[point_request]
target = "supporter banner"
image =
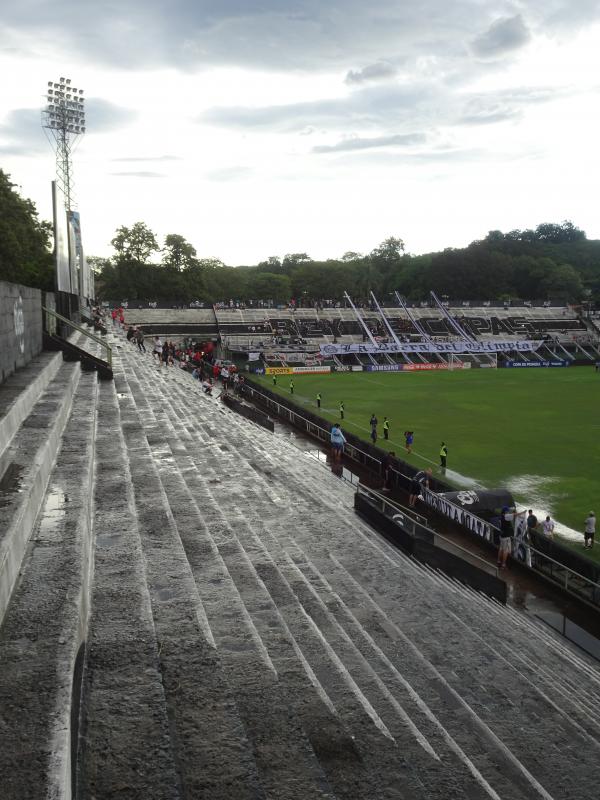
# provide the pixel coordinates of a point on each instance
(521, 346)
(557, 363)
(61, 241)
(253, 356)
(458, 514)
(278, 370)
(310, 370)
(301, 358)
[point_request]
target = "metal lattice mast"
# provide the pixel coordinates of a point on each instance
(63, 119)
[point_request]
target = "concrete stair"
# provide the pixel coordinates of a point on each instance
(196, 611)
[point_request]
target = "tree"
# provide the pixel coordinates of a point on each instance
(135, 244)
(350, 255)
(389, 250)
(25, 255)
(178, 253)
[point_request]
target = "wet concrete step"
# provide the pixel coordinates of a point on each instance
(125, 745)
(28, 460)
(238, 558)
(286, 763)
(44, 627)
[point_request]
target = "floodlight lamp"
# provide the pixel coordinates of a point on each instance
(68, 80)
(62, 80)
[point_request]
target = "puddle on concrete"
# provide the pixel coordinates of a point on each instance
(10, 484)
(53, 513)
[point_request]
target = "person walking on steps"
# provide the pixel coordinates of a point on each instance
(139, 337)
(443, 456)
(341, 410)
(318, 399)
(338, 440)
(386, 428)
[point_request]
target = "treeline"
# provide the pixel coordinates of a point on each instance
(25, 241)
(552, 261)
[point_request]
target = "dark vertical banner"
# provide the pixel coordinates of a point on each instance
(73, 256)
(61, 241)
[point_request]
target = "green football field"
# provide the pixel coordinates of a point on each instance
(533, 431)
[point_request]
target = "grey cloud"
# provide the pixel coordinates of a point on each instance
(23, 134)
(503, 35)
(144, 159)
(228, 173)
(139, 174)
(490, 116)
(381, 70)
(357, 143)
(102, 115)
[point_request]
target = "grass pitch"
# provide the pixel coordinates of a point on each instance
(535, 432)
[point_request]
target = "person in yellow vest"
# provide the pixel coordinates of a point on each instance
(291, 386)
(341, 410)
(386, 428)
(443, 456)
(318, 399)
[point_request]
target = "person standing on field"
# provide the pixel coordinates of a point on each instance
(291, 386)
(409, 438)
(274, 380)
(443, 456)
(318, 399)
(386, 428)
(373, 423)
(590, 530)
(341, 409)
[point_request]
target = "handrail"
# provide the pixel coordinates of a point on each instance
(468, 555)
(77, 327)
(388, 500)
(563, 566)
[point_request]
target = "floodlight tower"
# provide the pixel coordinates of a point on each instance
(64, 120)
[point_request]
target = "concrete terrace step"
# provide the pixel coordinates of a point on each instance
(199, 738)
(27, 462)
(284, 757)
(329, 665)
(44, 626)
(396, 652)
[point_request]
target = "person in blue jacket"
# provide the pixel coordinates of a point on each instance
(338, 440)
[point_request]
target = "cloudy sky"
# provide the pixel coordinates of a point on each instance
(261, 127)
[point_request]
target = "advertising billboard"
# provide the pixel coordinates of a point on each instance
(61, 241)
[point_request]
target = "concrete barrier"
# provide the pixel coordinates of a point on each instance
(20, 326)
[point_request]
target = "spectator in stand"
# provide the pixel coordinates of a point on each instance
(548, 527)
(418, 482)
(130, 333)
(532, 521)
(507, 532)
(165, 354)
(225, 378)
(157, 349)
(139, 337)
(386, 466)
(207, 386)
(338, 440)
(590, 530)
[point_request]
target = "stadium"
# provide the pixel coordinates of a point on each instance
(295, 528)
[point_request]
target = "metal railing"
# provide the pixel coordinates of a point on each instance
(418, 527)
(565, 577)
(56, 316)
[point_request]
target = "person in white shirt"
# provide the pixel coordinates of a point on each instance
(590, 530)
(548, 527)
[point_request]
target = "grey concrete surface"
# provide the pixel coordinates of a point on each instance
(20, 326)
(250, 637)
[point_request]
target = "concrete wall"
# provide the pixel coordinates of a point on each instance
(20, 326)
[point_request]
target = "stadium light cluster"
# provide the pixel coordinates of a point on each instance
(63, 119)
(65, 110)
